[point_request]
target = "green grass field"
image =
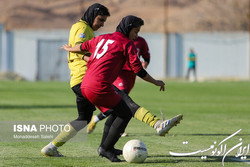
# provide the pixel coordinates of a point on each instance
(212, 112)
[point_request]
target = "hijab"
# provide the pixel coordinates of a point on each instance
(93, 11)
(127, 23)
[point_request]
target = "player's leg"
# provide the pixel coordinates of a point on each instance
(95, 119)
(85, 111)
(140, 113)
(106, 128)
(114, 127)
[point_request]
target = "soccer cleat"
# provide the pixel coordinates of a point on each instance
(166, 125)
(92, 124)
(116, 151)
(51, 151)
(108, 154)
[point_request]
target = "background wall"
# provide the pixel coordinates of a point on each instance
(36, 55)
(219, 55)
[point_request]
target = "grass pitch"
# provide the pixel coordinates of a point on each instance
(212, 112)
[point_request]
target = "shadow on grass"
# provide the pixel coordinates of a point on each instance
(199, 134)
(154, 134)
(155, 159)
(171, 159)
(6, 107)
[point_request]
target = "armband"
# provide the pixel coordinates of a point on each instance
(142, 73)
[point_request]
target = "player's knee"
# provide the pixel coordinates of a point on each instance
(110, 120)
(133, 107)
(78, 124)
(84, 117)
(123, 110)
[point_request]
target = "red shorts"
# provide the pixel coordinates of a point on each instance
(103, 102)
(125, 80)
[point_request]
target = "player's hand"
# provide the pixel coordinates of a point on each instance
(161, 84)
(66, 47)
(144, 64)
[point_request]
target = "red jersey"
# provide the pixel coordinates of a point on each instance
(142, 48)
(109, 54)
(142, 51)
(126, 79)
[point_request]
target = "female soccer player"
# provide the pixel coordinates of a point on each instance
(109, 53)
(126, 79)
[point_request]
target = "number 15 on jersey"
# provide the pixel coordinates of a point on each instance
(104, 48)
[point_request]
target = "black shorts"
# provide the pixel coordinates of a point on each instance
(83, 104)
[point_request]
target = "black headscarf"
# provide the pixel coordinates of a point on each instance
(93, 11)
(127, 23)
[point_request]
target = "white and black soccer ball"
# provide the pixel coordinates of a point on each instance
(135, 151)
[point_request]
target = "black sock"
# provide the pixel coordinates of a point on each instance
(107, 126)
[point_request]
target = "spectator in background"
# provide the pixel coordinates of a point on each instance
(191, 65)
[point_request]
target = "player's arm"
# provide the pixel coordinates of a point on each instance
(145, 54)
(83, 55)
(144, 64)
(86, 57)
(82, 35)
(146, 61)
(146, 77)
(138, 69)
(69, 48)
(78, 48)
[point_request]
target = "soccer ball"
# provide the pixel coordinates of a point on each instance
(135, 151)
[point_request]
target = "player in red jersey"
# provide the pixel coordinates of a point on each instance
(126, 79)
(142, 50)
(109, 53)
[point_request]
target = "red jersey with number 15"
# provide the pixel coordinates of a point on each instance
(109, 54)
